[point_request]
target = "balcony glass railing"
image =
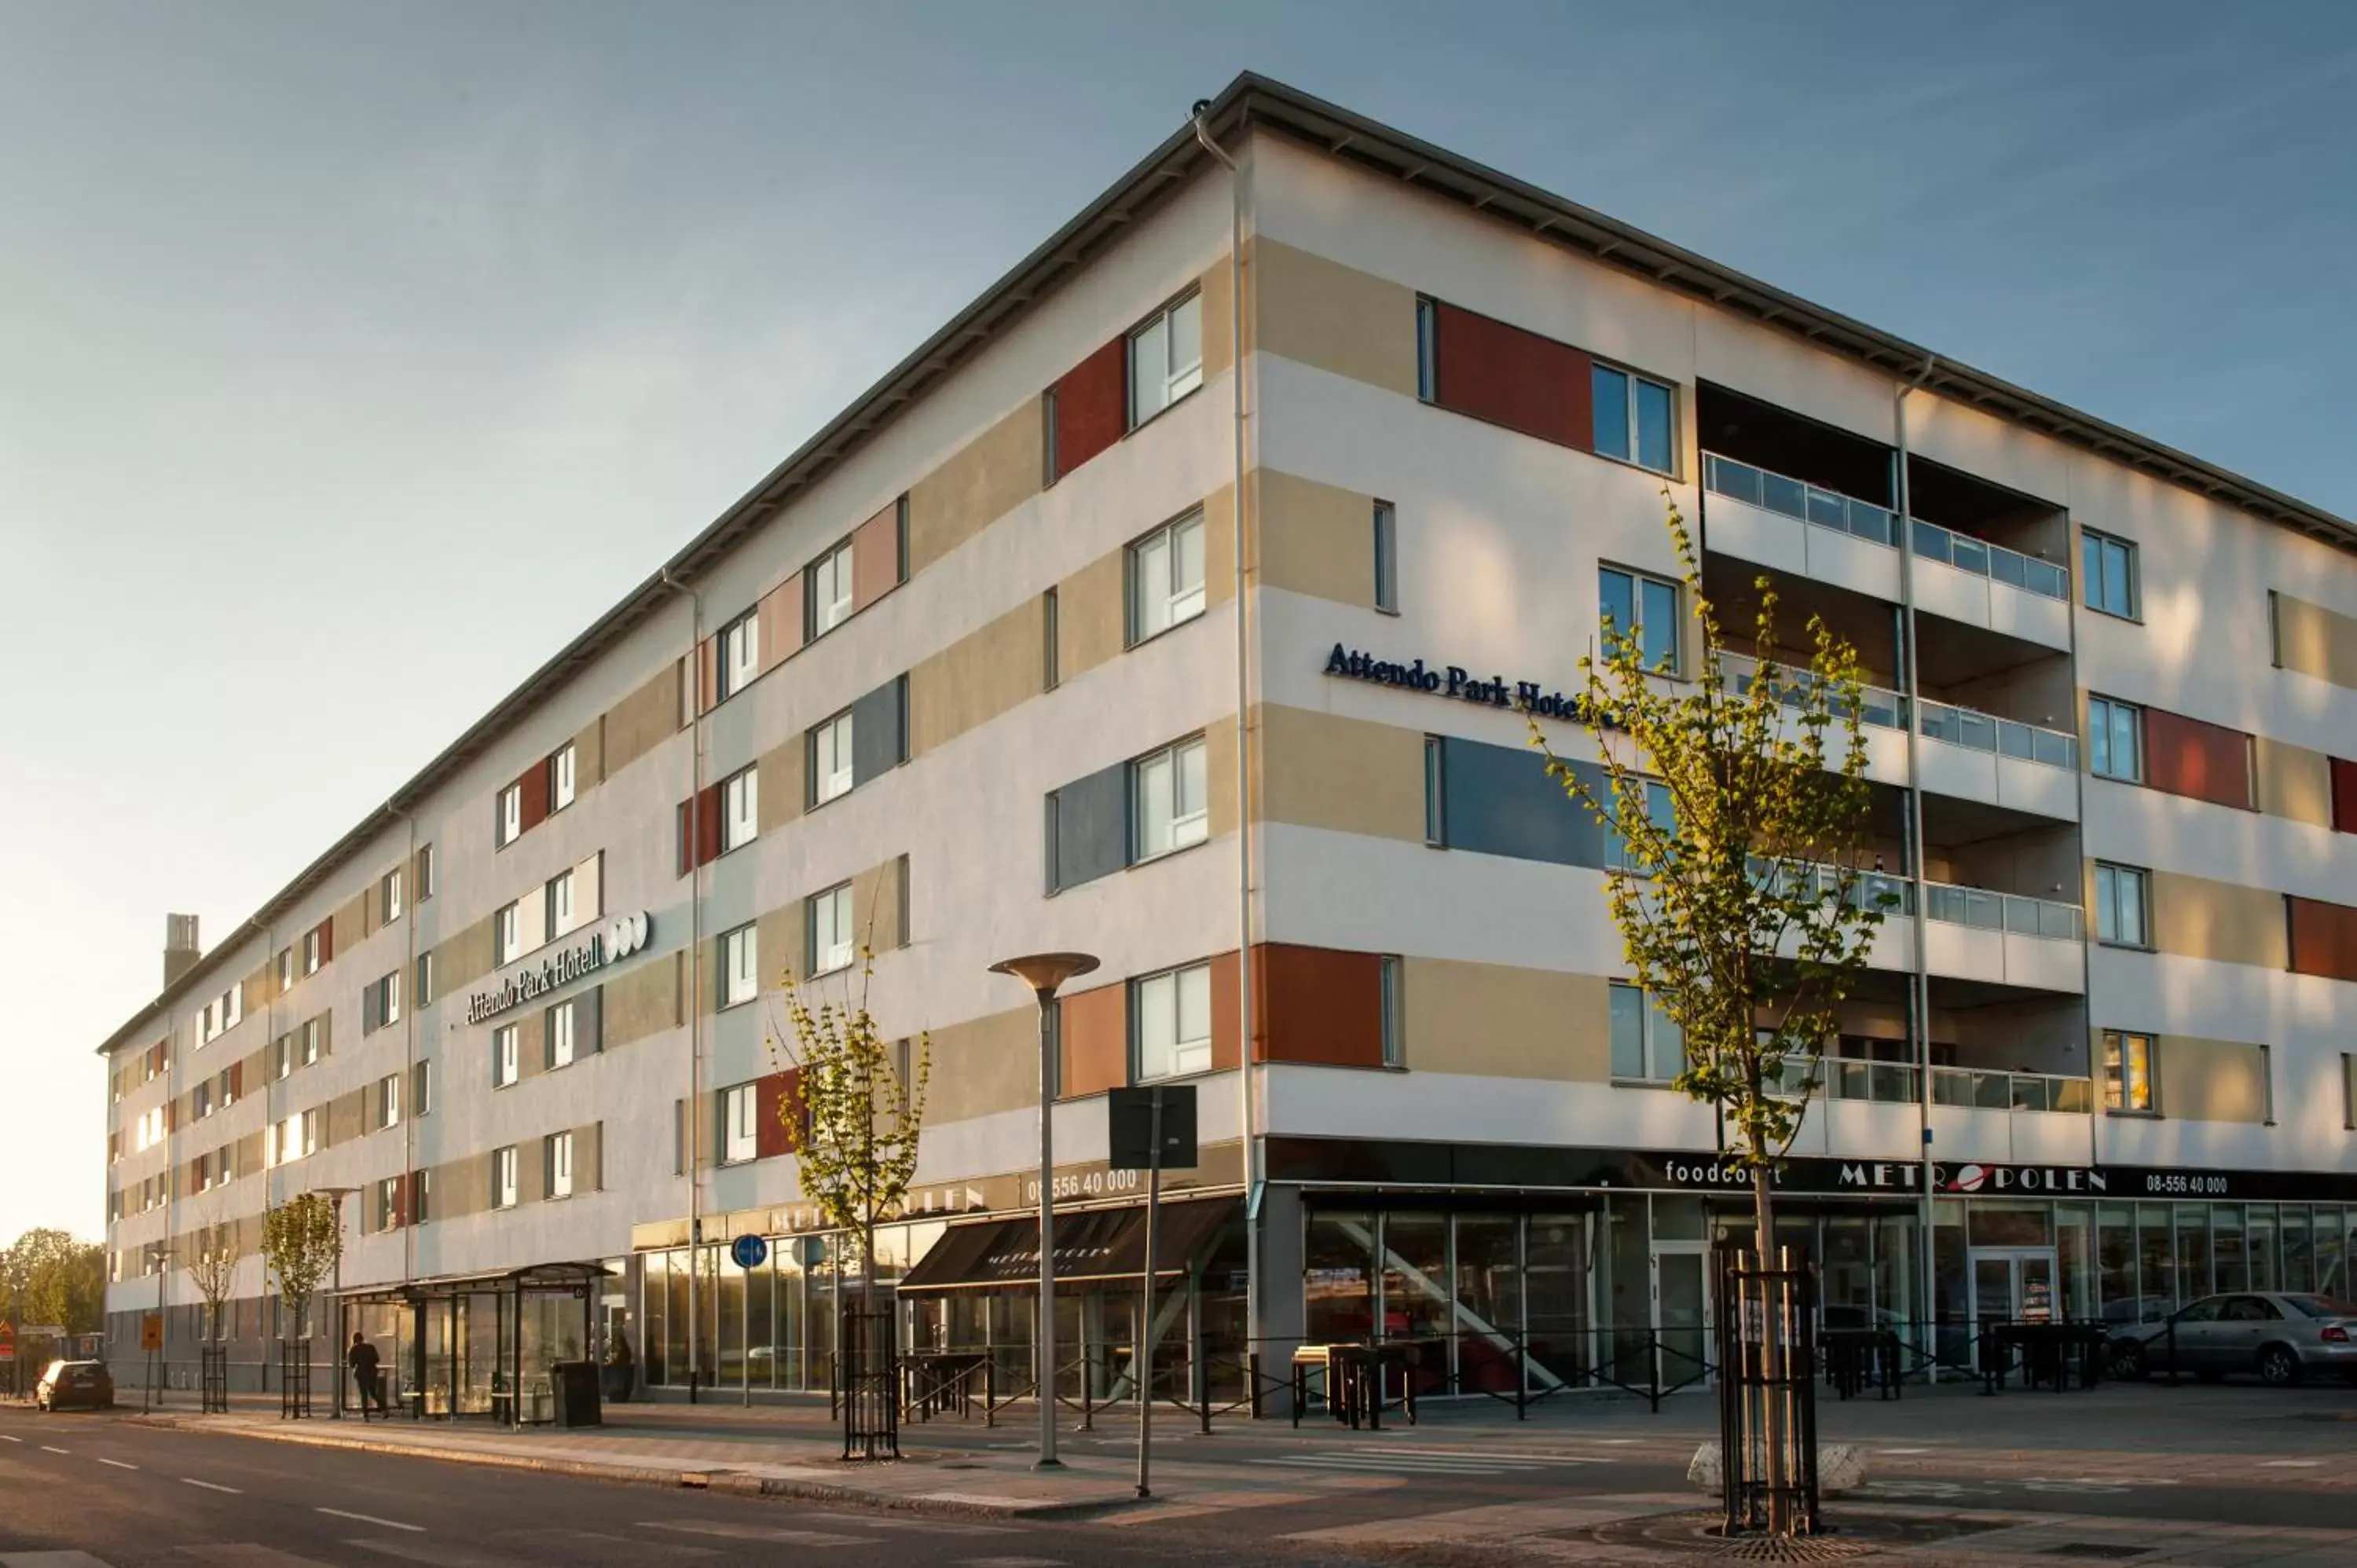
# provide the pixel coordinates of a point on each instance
(1884, 1083)
(1986, 732)
(1986, 1091)
(1882, 708)
(1824, 881)
(1864, 519)
(2008, 912)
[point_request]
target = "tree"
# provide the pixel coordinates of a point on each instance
(855, 1116)
(47, 1276)
(213, 1271)
(301, 1240)
(1736, 804)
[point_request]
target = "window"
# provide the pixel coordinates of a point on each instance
(558, 1155)
(1435, 803)
(2268, 1084)
(2128, 1072)
(227, 1091)
(1394, 1015)
(421, 1196)
(1166, 577)
(282, 1056)
(421, 1089)
(387, 1203)
(739, 1139)
(1427, 351)
(311, 1131)
(2107, 568)
(740, 808)
(425, 873)
(741, 966)
(507, 934)
(830, 929)
(225, 1164)
(1648, 1047)
(388, 1101)
(424, 987)
(559, 1034)
(2122, 904)
(561, 777)
(286, 968)
(311, 1041)
(503, 1056)
(388, 896)
(311, 951)
(2348, 1089)
(1386, 558)
(831, 761)
(1166, 359)
(1050, 676)
(1643, 608)
(380, 1003)
(201, 1101)
(2115, 740)
(1634, 419)
(1167, 799)
(740, 654)
(1659, 807)
(1170, 1023)
(830, 590)
(503, 1178)
(510, 820)
(559, 894)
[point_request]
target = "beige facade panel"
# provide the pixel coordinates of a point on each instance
(1321, 771)
(2209, 1081)
(1315, 539)
(876, 906)
(459, 1187)
(1496, 1021)
(983, 674)
(531, 1025)
(1092, 624)
(984, 1066)
(2294, 781)
(2316, 641)
(347, 1118)
(785, 780)
(353, 921)
(782, 938)
(1220, 544)
(643, 720)
(1217, 286)
(589, 1157)
(1335, 317)
(2196, 918)
(590, 754)
(462, 959)
(990, 476)
(1219, 812)
(645, 1001)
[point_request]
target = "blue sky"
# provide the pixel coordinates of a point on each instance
(301, 297)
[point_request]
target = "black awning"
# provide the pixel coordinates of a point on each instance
(1092, 1247)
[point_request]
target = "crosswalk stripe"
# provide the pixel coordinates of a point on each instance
(49, 1560)
(249, 1554)
(759, 1532)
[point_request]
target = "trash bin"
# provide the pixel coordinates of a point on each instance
(575, 1385)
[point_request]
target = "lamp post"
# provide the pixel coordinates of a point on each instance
(336, 1195)
(162, 1253)
(1043, 972)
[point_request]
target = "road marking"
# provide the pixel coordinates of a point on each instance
(1398, 1463)
(49, 1560)
(116, 1462)
(46, 1449)
(1902, 1451)
(247, 1555)
(1010, 1563)
(371, 1519)
(6, 1438)
(759, 1532)
(210, 1485)
(2289, 1464)
(922, 1526)
(435, 1556)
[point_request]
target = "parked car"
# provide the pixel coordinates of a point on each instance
(70, 1383)
(2281, 1336)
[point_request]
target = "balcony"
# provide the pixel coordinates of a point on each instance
(1810, 531)
(1976, 756)
(1870, 1109)
(1997, 939)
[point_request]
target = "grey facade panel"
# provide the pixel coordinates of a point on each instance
(1498, 800)
(879, 731)
(1089, 827)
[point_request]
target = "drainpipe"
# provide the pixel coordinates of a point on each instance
(1919, 984)
(694, 1153)
(409, 1049)
(1253, 1300)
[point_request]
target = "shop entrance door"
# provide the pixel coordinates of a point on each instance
(2011, 1284)
(1682, 1312)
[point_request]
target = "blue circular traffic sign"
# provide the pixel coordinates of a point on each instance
(749, 1252)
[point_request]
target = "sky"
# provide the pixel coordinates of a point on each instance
(295, 298)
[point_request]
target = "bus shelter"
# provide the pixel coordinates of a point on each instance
(475, 1345)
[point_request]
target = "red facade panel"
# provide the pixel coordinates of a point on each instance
(2344, 795)
(875, 557)
(2323, 938)
(2190, 758)
(327, 929)
(699, 830)
(1093, 1041)
(1318, 1005)
(1513, 378)
(777, 1113)
(533, 790)
(1091, 406)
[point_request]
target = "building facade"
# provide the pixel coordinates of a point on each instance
(1082, 631)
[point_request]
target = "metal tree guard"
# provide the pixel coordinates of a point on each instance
(1767, 1395)
(871, 1394)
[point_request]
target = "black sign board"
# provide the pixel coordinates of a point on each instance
(1129, 1126)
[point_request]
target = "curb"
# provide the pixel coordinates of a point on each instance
(734, 1483)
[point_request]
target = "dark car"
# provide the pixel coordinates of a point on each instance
(2281, 1336)
(68, 1384)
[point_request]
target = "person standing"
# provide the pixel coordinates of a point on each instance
(366, 1375)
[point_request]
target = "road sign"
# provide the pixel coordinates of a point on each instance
(750, 1251)
(151, 1331)
(1129, 1127)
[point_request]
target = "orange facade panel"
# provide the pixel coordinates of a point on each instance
(878, 556)
(1511, 377)
(1093, 1042)
(2323, 938)
(2198, 759)
(1089, 409)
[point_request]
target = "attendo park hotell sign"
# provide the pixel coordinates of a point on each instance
(1451, 681)
(618, 939)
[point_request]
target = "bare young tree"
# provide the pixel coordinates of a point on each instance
(301, 1240)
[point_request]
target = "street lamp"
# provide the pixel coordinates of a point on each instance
(161, 1252)
(336, 1195)
(1043, 972)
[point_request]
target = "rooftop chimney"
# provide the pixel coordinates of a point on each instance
(180, 948)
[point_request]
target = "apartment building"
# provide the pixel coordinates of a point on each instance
(1082, 631)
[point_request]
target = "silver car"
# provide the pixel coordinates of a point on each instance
(2280, 1336)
